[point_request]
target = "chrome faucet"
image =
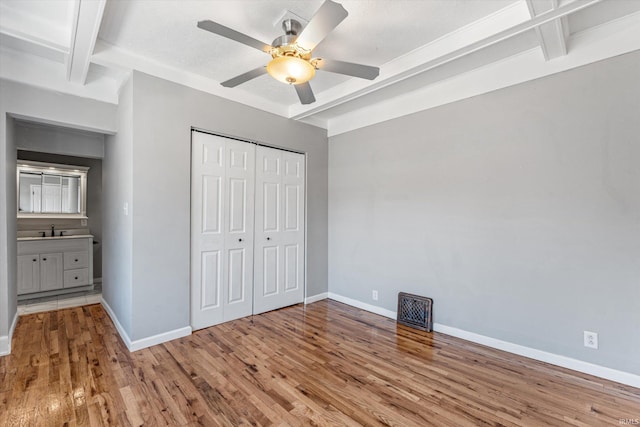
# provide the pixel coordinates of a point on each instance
(53, 230)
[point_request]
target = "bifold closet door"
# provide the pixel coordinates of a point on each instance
(222, 216)
(279, 229)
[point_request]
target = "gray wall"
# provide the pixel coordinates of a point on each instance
(518, 211)
(163, 115)
(117, 177)
(58, 140)
(34, 104)
(8, 244)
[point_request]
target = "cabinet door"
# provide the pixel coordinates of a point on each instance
(28, 274)
(51, 271)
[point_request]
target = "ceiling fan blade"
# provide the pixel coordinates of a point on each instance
(348, 68)
(245, 77)
(322, 23)
(227, 32)
(305, 93)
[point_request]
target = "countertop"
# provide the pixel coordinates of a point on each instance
(80, 236)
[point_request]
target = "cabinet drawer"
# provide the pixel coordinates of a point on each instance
(77, 277)
(76, 260)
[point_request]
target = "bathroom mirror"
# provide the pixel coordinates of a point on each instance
(47, 190)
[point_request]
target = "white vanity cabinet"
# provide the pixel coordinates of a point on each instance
(54, 264)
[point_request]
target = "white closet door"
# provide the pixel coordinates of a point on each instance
(239, 206)
(279, 230)
(222, 193)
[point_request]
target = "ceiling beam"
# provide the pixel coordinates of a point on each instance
(336, 96)
(551, 35)
(85, 26)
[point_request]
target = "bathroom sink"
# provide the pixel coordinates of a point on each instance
(77, 233)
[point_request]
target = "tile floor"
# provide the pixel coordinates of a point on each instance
(37, 305)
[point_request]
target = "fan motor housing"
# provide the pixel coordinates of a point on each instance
(285, 45)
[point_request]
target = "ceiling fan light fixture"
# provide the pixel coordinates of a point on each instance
(291, 70)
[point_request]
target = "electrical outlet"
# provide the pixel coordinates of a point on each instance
(590, 339)
(374, 295)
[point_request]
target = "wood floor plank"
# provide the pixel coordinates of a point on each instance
(324, 364)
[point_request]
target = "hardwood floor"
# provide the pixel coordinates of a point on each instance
(326, 364)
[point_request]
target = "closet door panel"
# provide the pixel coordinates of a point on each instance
(291, 268)
(210, 283)
(239, 205)
(207, 237)
(222, 205)
(211, 204)
(279, 263)
(271, 206)
(292, 208)
(293, 237)
(237, 280)
(270, 271)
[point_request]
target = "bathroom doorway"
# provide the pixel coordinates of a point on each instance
(37, 142)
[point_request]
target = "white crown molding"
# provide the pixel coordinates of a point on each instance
(532, 353)
(39, 72)
(404, 66)
(40, 31)
(108, 55)
(506, 23)
(605, 41)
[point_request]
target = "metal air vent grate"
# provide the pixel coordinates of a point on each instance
(415, 311)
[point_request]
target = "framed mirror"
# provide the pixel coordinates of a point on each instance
(48, 190)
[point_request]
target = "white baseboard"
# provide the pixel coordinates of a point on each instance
(160, 338)
(543, 356)
(363, 305)
(116, 322)
(314, 298)
(532, 353)
(144, 342)
(5, 340)
(5, 345)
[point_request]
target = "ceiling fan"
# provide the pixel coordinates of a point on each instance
(291, 53)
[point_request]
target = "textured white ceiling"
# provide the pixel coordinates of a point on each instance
(430, 52)
(374, 33)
